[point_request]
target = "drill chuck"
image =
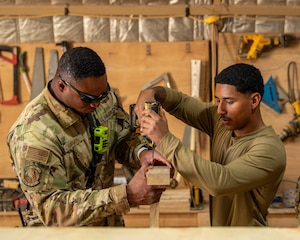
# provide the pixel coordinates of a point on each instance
(155, 106)
(134, 122)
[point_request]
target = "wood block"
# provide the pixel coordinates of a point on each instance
(158, 175)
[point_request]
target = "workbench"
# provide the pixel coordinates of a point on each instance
(220, 233)
(139, 218)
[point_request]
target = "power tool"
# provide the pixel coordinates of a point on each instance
(293, 127)
(135, 127)
(251, 46)
(134, 122)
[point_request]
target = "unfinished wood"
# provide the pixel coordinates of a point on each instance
(271, 63)
(158, 175)
(282, 217)
(167, 219)
(176, 10)
(178, 198)
(220, 233)
(137, 217)
(10, 219)
(154, 215)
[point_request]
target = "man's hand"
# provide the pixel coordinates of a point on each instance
(139, 192)
(146, 95)
(153, 125)
(147, 160)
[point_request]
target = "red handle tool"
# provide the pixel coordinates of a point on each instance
(14, 61)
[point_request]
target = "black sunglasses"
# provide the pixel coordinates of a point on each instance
(87, 97)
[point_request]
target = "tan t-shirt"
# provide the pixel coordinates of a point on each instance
(243, 174)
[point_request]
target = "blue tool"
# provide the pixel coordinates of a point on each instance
(273, 95)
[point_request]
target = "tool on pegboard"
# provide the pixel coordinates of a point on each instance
(196, 200)
(274, 96)
(24, 70)
(14, 61)
(163, 77)
(1, 91)
(53, 64)
(251, 46)
(213, 20)
(293, 127)
(65, 45)
(38, 77)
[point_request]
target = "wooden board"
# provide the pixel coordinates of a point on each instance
(158, 175)
(150, 234)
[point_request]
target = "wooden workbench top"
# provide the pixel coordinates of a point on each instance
(150, 233)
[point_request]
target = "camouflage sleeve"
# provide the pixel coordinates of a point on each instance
(55, 197)
(127, 149)
(129, 143)
(80, 207)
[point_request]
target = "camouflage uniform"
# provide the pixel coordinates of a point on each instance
(297, 200)
(50, 151)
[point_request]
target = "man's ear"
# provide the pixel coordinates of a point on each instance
(61, 85)
(255, 97)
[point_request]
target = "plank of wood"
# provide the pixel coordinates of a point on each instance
(154, 215)
(157, 175)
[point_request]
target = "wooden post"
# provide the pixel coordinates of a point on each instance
(158, 175)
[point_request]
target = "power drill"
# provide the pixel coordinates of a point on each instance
(134, 122)
(155, 106)
(251, 46)
(135, 127)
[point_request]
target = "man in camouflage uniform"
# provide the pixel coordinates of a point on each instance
(51, 150)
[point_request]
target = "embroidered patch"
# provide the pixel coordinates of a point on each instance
(37, 154)
(32, 175)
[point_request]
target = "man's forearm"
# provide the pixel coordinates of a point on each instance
(159, 94)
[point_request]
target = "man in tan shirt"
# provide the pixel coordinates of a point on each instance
(247, 158)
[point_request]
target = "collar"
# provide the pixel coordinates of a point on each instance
(64, 115)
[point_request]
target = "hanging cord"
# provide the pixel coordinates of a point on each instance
(292, 78)
(293, 83)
